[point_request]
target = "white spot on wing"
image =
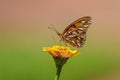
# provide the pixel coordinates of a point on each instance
(79, 38)
(73, 41)
(67, 38)
(82, 21)
(70, 36)
(79, 44)
(65, 33)
(69, 32)
(86, 26)
(74, 32)
(81, 29)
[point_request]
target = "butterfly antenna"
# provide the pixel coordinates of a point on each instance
(53, 28)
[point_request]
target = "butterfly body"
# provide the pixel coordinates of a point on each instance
(75, 33)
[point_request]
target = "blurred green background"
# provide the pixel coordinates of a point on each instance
(24, 32)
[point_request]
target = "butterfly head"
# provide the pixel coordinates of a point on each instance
(58, 33)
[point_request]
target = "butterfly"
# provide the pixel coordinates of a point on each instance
(75, 33)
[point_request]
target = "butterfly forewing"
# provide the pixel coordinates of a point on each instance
(75, 33)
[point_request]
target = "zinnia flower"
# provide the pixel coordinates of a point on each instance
(60, 55)
(61, 52)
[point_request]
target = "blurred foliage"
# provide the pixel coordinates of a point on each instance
(22, 60)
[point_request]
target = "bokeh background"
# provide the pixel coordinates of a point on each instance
(24, 32)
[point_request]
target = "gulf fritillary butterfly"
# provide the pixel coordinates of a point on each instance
(75, 33)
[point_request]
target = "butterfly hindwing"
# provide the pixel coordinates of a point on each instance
(75, 33)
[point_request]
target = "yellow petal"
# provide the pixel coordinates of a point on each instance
(61, 51)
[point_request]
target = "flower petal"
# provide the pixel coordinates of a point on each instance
(61, 51)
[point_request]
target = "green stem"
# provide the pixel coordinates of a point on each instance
(59, 68)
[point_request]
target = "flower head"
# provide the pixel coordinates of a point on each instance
(60, 55)
(61, 52)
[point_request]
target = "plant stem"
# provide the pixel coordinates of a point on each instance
(59, 68)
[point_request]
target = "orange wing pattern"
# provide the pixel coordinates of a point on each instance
(75, 33)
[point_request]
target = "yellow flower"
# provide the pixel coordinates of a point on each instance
(60, 55)
(61, 52)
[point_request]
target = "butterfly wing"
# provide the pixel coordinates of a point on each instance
(75, 33)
